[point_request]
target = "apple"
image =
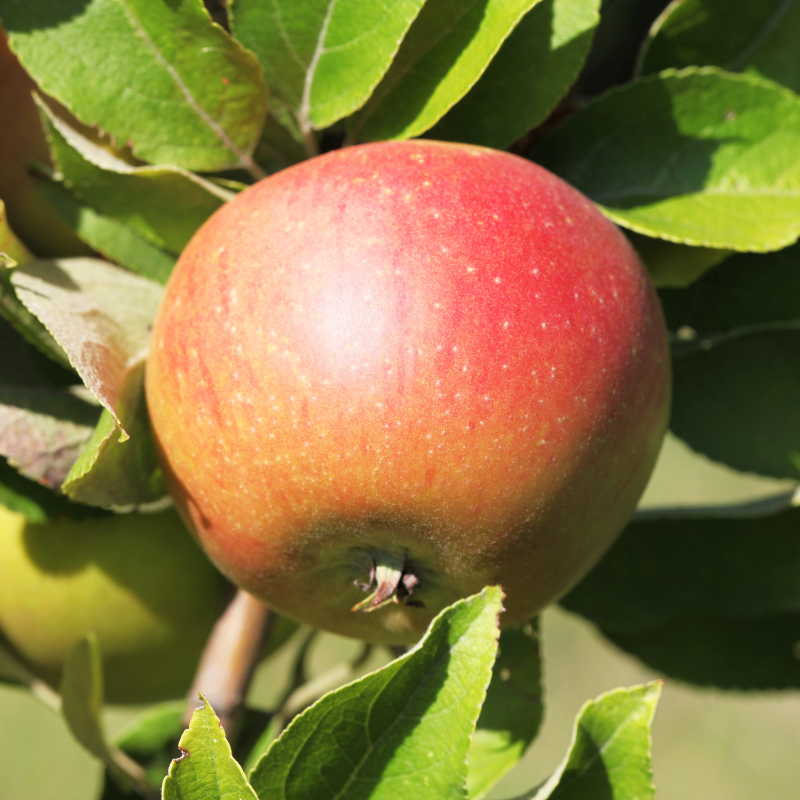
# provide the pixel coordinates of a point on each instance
(22, 140)
(416, 367)
(138, 581)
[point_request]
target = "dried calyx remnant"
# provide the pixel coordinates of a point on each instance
(389, 582)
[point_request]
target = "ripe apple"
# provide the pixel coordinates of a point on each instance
(138, 581)
(22, 140)
(419, 366)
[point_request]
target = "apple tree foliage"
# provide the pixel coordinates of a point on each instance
(681, 121)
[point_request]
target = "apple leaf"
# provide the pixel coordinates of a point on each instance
(164, 204)
(737, 35)
(43, 430)
(206, 767)
(157, 74)
(81, 705)
(512, 712)
(323, 58)
(281, 143)
(383, 735)
(700, 157)
(12, 250)
(100, 314)
(610, 751)
(735, 397)
(674, 265)
(445, 51)
(739, 653)
(114, 240)
(532, 71)
(741, 292)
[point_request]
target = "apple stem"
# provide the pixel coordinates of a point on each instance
(393, 583)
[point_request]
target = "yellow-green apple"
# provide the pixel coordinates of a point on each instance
(417, 366)
(22, 140)
(138, 581)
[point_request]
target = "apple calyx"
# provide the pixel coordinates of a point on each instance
(394, 583)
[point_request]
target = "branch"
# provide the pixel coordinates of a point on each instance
(229, 660)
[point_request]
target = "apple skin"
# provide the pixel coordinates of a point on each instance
(138, 581)
(422, 348)
(22, 140)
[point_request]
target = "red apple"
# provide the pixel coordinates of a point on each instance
(434, 358)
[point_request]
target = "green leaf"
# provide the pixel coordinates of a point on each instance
(751, 653)
(443, 54)
(700, 157)
(100, 314)
(164, 204)
(156, 73)
(532, 71)
(737, 35)
(736, 395)
(281, 143)
(82, 704)
(663, 569)
(672, 265)
(323, 58)
(12, 251)
(116, 473)
(610, 752)
(114, 240)
(748, 289)
(512, 712)
(43, 430)
(382, 736)
(206, 768)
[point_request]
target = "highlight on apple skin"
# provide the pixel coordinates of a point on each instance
(138, 581)
(411, 369)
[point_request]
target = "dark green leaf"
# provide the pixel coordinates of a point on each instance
(752, 653)
(533, 70)
(156, 73)
(699, 157)
(323, 58)
(12, 251)
(758, 37)
(443, 54)
(115, 240)
(736, 395)
(512, 712)
(610, 752)
(671, 264)
(383, 735)
(206, 768)
(154, 729)
(165, 205)
(748, 289)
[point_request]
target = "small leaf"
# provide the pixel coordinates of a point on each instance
(737, 35)
(100, 314)
(164, 204)
(114, 240)
(206, 768)
(673, 265)
(82, 704)
(512, 712)
(156, 73)
(610, 751)
(323, 58)
(11, 248)
(382, 736)
(532, 71)
(445, 51)
(700, 157)
(739, 653)
(116, 473)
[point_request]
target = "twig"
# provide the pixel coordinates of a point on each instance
(229, 660)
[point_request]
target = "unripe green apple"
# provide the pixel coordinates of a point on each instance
(137, 580)
(418, 366)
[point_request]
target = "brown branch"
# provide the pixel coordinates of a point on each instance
(229, 660)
